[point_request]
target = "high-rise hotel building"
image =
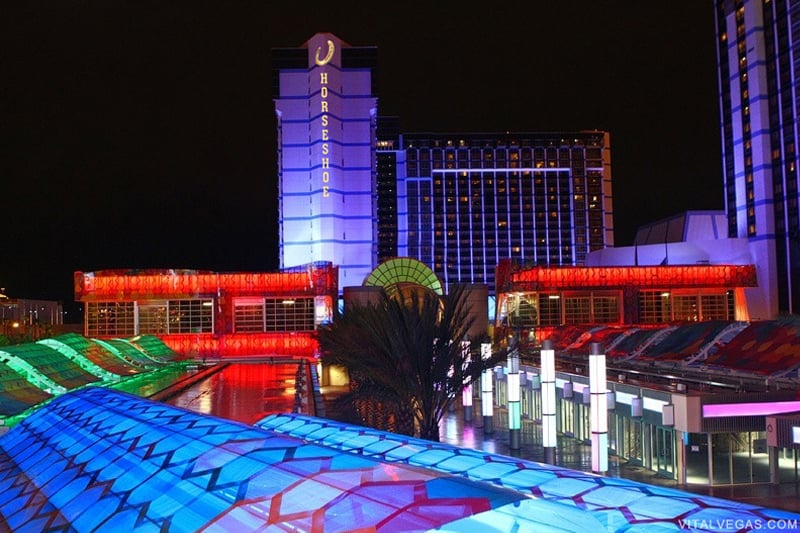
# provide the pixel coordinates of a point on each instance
(355, 190)
(467, 201)
(757, 52)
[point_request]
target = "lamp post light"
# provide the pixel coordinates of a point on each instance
(512, 395)
(466, 392)
(487, 394)
(598, 408)
(548, 366)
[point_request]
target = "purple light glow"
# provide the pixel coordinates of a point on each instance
(749, 409)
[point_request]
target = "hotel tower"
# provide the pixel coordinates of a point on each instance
(355, 190)
(326, 117)
(757, 54)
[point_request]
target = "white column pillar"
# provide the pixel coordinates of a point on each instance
(548, 367)
(514, 413)
(466, 393)
(487, 394)
(599, 408)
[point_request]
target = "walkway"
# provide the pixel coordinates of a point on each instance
(573, 454)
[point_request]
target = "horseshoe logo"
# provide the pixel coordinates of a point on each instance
(327, 57)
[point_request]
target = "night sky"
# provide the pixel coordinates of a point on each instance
(142, 134)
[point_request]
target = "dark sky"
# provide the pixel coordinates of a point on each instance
(142, 135)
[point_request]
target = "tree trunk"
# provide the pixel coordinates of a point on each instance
(429, 430)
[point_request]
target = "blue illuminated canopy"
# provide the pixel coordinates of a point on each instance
(96, 459)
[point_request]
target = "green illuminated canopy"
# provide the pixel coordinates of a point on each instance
(403, 271)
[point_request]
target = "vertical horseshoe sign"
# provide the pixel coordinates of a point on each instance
(328, 56)
(323, 94)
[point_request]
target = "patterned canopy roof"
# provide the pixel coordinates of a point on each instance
(101, 460)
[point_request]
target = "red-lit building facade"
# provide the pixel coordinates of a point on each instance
(538, 298)
(212, 314)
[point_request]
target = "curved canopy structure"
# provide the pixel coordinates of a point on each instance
(34, 372)
(404, 270)
(101, 460)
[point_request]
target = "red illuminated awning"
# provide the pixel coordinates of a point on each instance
(116, 285)
(677, 276)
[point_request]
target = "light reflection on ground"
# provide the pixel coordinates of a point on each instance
(245, 392)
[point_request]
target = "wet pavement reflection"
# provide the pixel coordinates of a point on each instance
(245, 392)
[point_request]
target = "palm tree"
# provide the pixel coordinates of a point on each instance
(405, 354)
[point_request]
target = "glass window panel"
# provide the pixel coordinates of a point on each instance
(110, 319)
(289, 314)
(191, 316)
(153, 317)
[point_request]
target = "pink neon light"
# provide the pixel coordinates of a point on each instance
(749, 409)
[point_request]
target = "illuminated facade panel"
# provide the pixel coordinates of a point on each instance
(540, 278)
(757, 57)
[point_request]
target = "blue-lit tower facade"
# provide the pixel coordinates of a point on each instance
(326, 119)
(757, 54)
(466, 201)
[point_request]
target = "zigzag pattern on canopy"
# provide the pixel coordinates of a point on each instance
(617, 504)
(100, 460)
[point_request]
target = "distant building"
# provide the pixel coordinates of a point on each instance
(356, 191)
(757, 58)
(25, 312)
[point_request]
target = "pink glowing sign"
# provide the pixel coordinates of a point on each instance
(749, 409)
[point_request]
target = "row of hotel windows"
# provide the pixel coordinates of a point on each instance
(503, 154)
(554, 309)
(425, 168)
(412, 141)
(164, 317)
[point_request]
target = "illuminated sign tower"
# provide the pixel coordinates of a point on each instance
(326, 117)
